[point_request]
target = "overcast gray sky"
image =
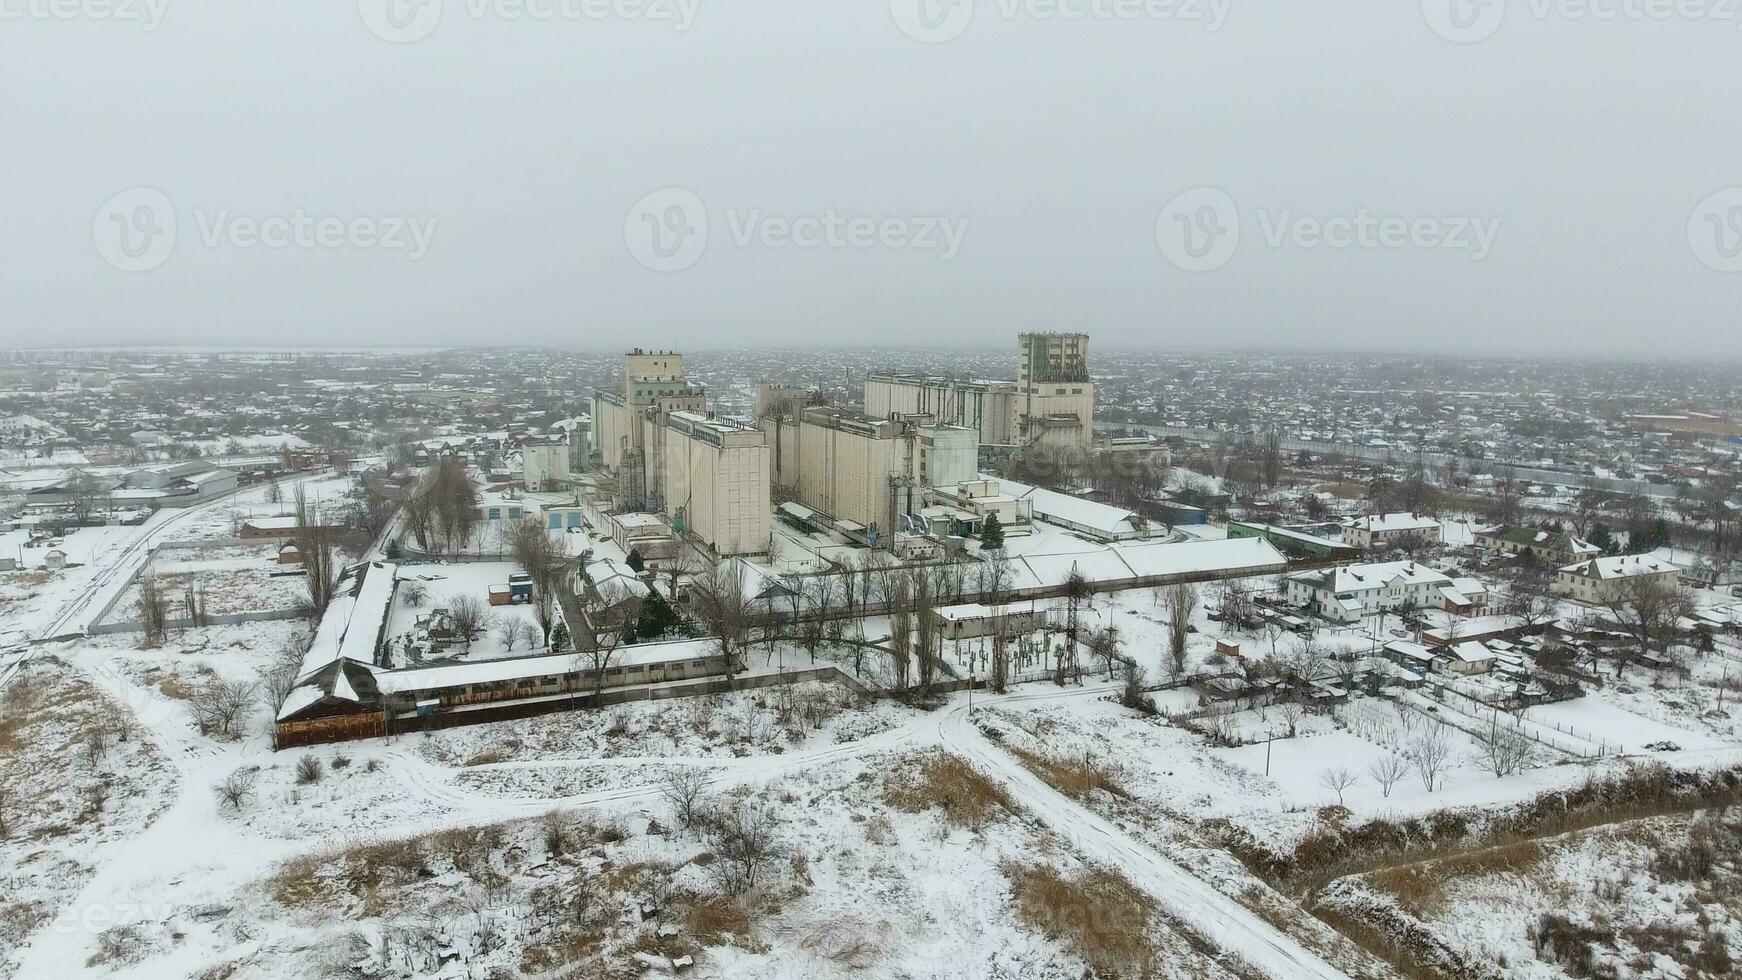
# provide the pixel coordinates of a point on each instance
(848, 171)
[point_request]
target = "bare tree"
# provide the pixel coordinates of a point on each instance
(1647, 611)
(85, 496)
(1272, 457)
(744, 841)
(618, 610)
(469, 617)
(901, 631)
(513, 631)
(237, 788)
(683, 787)
(1503, 750)
(1292, 715)
(1180, 601)
(927, 638)
(1001, 651)
(222, 707)
(153, 610)
(1388, 770)
(1338, 779)
(194, 603)
(818, 614)
(538, 556)
(1104, 647)
(314, 540)
(1430, 752)
(1132, 695)
(718, 600)
(685, 564)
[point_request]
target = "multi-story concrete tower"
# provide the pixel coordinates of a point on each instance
(1052, 357)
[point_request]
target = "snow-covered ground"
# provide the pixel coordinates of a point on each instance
(436, 854)
(1652, 899)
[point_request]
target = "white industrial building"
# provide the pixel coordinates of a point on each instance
(1052, 401)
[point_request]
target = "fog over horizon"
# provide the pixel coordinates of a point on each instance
(1445, 176)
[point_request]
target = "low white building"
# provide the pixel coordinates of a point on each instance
(1350, 593)
(1603, 579)
(1387, 531)
(544, 463)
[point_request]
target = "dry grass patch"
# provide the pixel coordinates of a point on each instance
(1096, 913)
(1078, 779)
(967, 797)
(1422, 886)
(179, 687)
(486, 757)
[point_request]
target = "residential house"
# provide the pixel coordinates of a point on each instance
(1549, 547)
(1384, 532)
(1603, 580)
(1350, 593)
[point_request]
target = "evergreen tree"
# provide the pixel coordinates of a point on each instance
(992, 534)
(635, 562)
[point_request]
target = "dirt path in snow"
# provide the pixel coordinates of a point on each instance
(1218, 918)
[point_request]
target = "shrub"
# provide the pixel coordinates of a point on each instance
(308, 770)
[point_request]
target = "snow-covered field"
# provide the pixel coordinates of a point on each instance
(235, 579)
(1051, 833)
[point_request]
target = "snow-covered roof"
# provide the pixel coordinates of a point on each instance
(1621, 567)
(1251, 555)
(1076, 511)
(462, 673)
(1472, 652)
(1383, 523)
(352, 622)
(1370, 577)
